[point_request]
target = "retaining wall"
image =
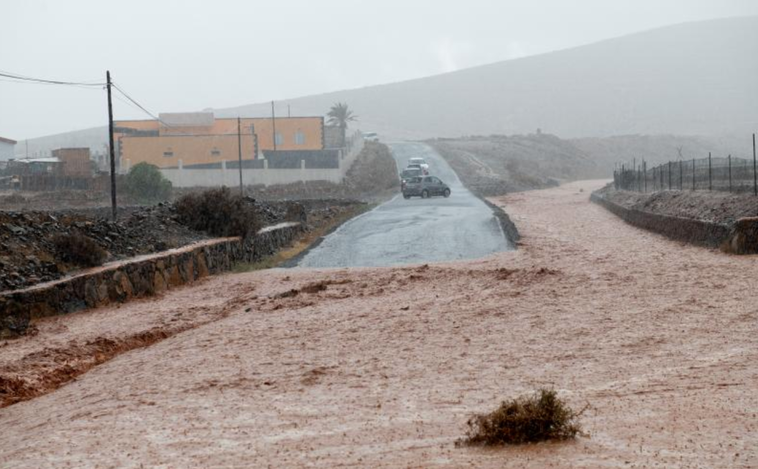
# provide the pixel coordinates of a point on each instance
(509, 228)
(137, 277)
(690, 230)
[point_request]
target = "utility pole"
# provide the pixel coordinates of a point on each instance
(110, 140)
(273, 123)
(239, 154)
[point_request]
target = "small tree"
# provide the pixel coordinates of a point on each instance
(339, 116)
(146, 184)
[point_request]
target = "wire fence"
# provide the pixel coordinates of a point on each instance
(713, 173)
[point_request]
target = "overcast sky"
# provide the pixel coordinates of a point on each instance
(191, 54)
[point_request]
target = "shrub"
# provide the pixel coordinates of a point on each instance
(146, 184)
(79, 249)
(218, 213)
(530, 419)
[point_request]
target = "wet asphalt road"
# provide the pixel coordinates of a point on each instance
(417, 230)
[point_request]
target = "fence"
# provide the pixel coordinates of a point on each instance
(718, 174)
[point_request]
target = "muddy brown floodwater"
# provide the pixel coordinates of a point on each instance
(380, 367)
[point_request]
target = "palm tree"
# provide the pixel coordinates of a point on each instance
(339, 116)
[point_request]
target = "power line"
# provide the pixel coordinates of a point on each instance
(139, 105)
(16, 76)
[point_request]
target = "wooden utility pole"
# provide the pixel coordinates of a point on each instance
(110, 141)
(239, 154)
(273, 123)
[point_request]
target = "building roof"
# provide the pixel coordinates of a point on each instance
(37, 160)
(187, 119)
(7, 140)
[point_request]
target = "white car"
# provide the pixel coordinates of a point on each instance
(421, 162)
(371, 137)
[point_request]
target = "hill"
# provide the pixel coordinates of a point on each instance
(687, 79)
(692, 78)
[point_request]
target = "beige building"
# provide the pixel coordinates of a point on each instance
(199, 139)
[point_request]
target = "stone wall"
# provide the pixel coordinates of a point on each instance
(509, 228)
(690, 230)
(137, 277)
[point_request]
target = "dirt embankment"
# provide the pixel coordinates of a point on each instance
(496, 165)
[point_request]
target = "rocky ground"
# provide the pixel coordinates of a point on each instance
(28, 255)
(381, 367)
(712, 206)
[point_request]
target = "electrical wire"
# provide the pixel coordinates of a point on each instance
(120, 90)
(16, 76)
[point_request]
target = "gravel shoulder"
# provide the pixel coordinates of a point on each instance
(381, 367)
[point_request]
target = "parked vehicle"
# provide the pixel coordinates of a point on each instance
(409, 173)
(424, 172)
(425, 187)
(419, 161)
(370, 136)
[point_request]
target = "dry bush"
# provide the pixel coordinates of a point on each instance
(79, 249)
(218, 212)
(539, 417)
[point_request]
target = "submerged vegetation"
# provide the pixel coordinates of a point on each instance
(530, 419)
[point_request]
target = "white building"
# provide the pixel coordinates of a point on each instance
(6, 149)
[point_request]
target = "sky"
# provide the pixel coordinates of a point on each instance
(174, 56)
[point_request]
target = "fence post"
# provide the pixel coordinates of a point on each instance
(729, 159)
(660, 172)
(621, 179)
(644, 171)
(710, 177)
(755, 177)
(669, 175)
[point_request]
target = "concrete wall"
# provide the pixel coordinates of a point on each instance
(689, 230)
(187, 177)
(133, 278)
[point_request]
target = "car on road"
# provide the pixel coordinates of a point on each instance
(370, 136)
(425, 187)
(421, 162)
(409, 173)
(424, 172)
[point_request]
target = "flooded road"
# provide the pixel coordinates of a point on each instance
(416, 230)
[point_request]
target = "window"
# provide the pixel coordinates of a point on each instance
(168, 154)
(278, 139)
(299, 138)
(215, 152)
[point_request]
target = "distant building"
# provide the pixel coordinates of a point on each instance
(7, 147)
(198, 139)
(75, 161)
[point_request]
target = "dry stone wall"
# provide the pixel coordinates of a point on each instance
(138, 277)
